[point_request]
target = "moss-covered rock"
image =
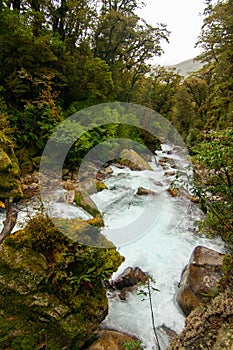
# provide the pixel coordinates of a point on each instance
(51, 290)
(83, 200)
(10, 186)
(91, 185)
(209, 327)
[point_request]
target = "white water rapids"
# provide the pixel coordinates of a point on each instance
(162, 249)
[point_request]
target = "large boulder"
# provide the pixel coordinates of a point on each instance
(51, 291)
(199, 278)
(129, 278)
(133, 160)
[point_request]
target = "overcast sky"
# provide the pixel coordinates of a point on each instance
(183, 21)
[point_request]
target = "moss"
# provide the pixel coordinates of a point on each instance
(51, 290)
(205, 327)
(87, 232)
(84, 201)
(227, 266)
(10, 186)
(100, 186)
(5, 161)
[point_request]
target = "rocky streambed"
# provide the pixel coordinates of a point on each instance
(152, 223)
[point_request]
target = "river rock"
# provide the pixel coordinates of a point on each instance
(89, 170)
(92, 186)
(173, 191)
(202, 274)
(165, 335)
(163, 160)
(111, 340)
(194, 199)
(67, 197)
(108, 170)
(68, 185)
(118, 165)
(133, 160)
(170, 173)
(144, 191)
(129, 278)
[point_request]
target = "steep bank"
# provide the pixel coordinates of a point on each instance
(51, 291)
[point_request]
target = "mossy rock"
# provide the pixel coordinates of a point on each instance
(10, 186)
(100, 186)
(51, 290)
(83, 200)
(91, 186)
(84, 231)
(5, 161)
(133, 160)
(209, 327)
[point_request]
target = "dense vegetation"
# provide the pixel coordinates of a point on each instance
(58, 57)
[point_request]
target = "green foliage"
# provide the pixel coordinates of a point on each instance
(126, 42)
(5, 132)
(214, 185)
(216, 40)
(211, 293)
(133, 345)
(56, 296)
(157, 91)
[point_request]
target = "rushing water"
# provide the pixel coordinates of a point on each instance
(162, 250)
(156, 233)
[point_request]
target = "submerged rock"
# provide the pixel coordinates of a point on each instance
(200, 277)
(51, 292)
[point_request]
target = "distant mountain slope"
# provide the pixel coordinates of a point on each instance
(186, 67)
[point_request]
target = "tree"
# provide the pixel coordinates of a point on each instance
(162, 86)
(72, 20)
(216, 40)
(126, 42)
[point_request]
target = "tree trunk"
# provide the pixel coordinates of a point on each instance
(10, 221)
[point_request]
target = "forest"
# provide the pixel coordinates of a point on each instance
(59, 57)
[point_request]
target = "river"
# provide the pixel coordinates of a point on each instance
(155, 232)
(162, 250)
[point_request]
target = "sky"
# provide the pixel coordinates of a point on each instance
(183, 20)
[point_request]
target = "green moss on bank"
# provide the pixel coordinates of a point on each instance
(51, 289)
